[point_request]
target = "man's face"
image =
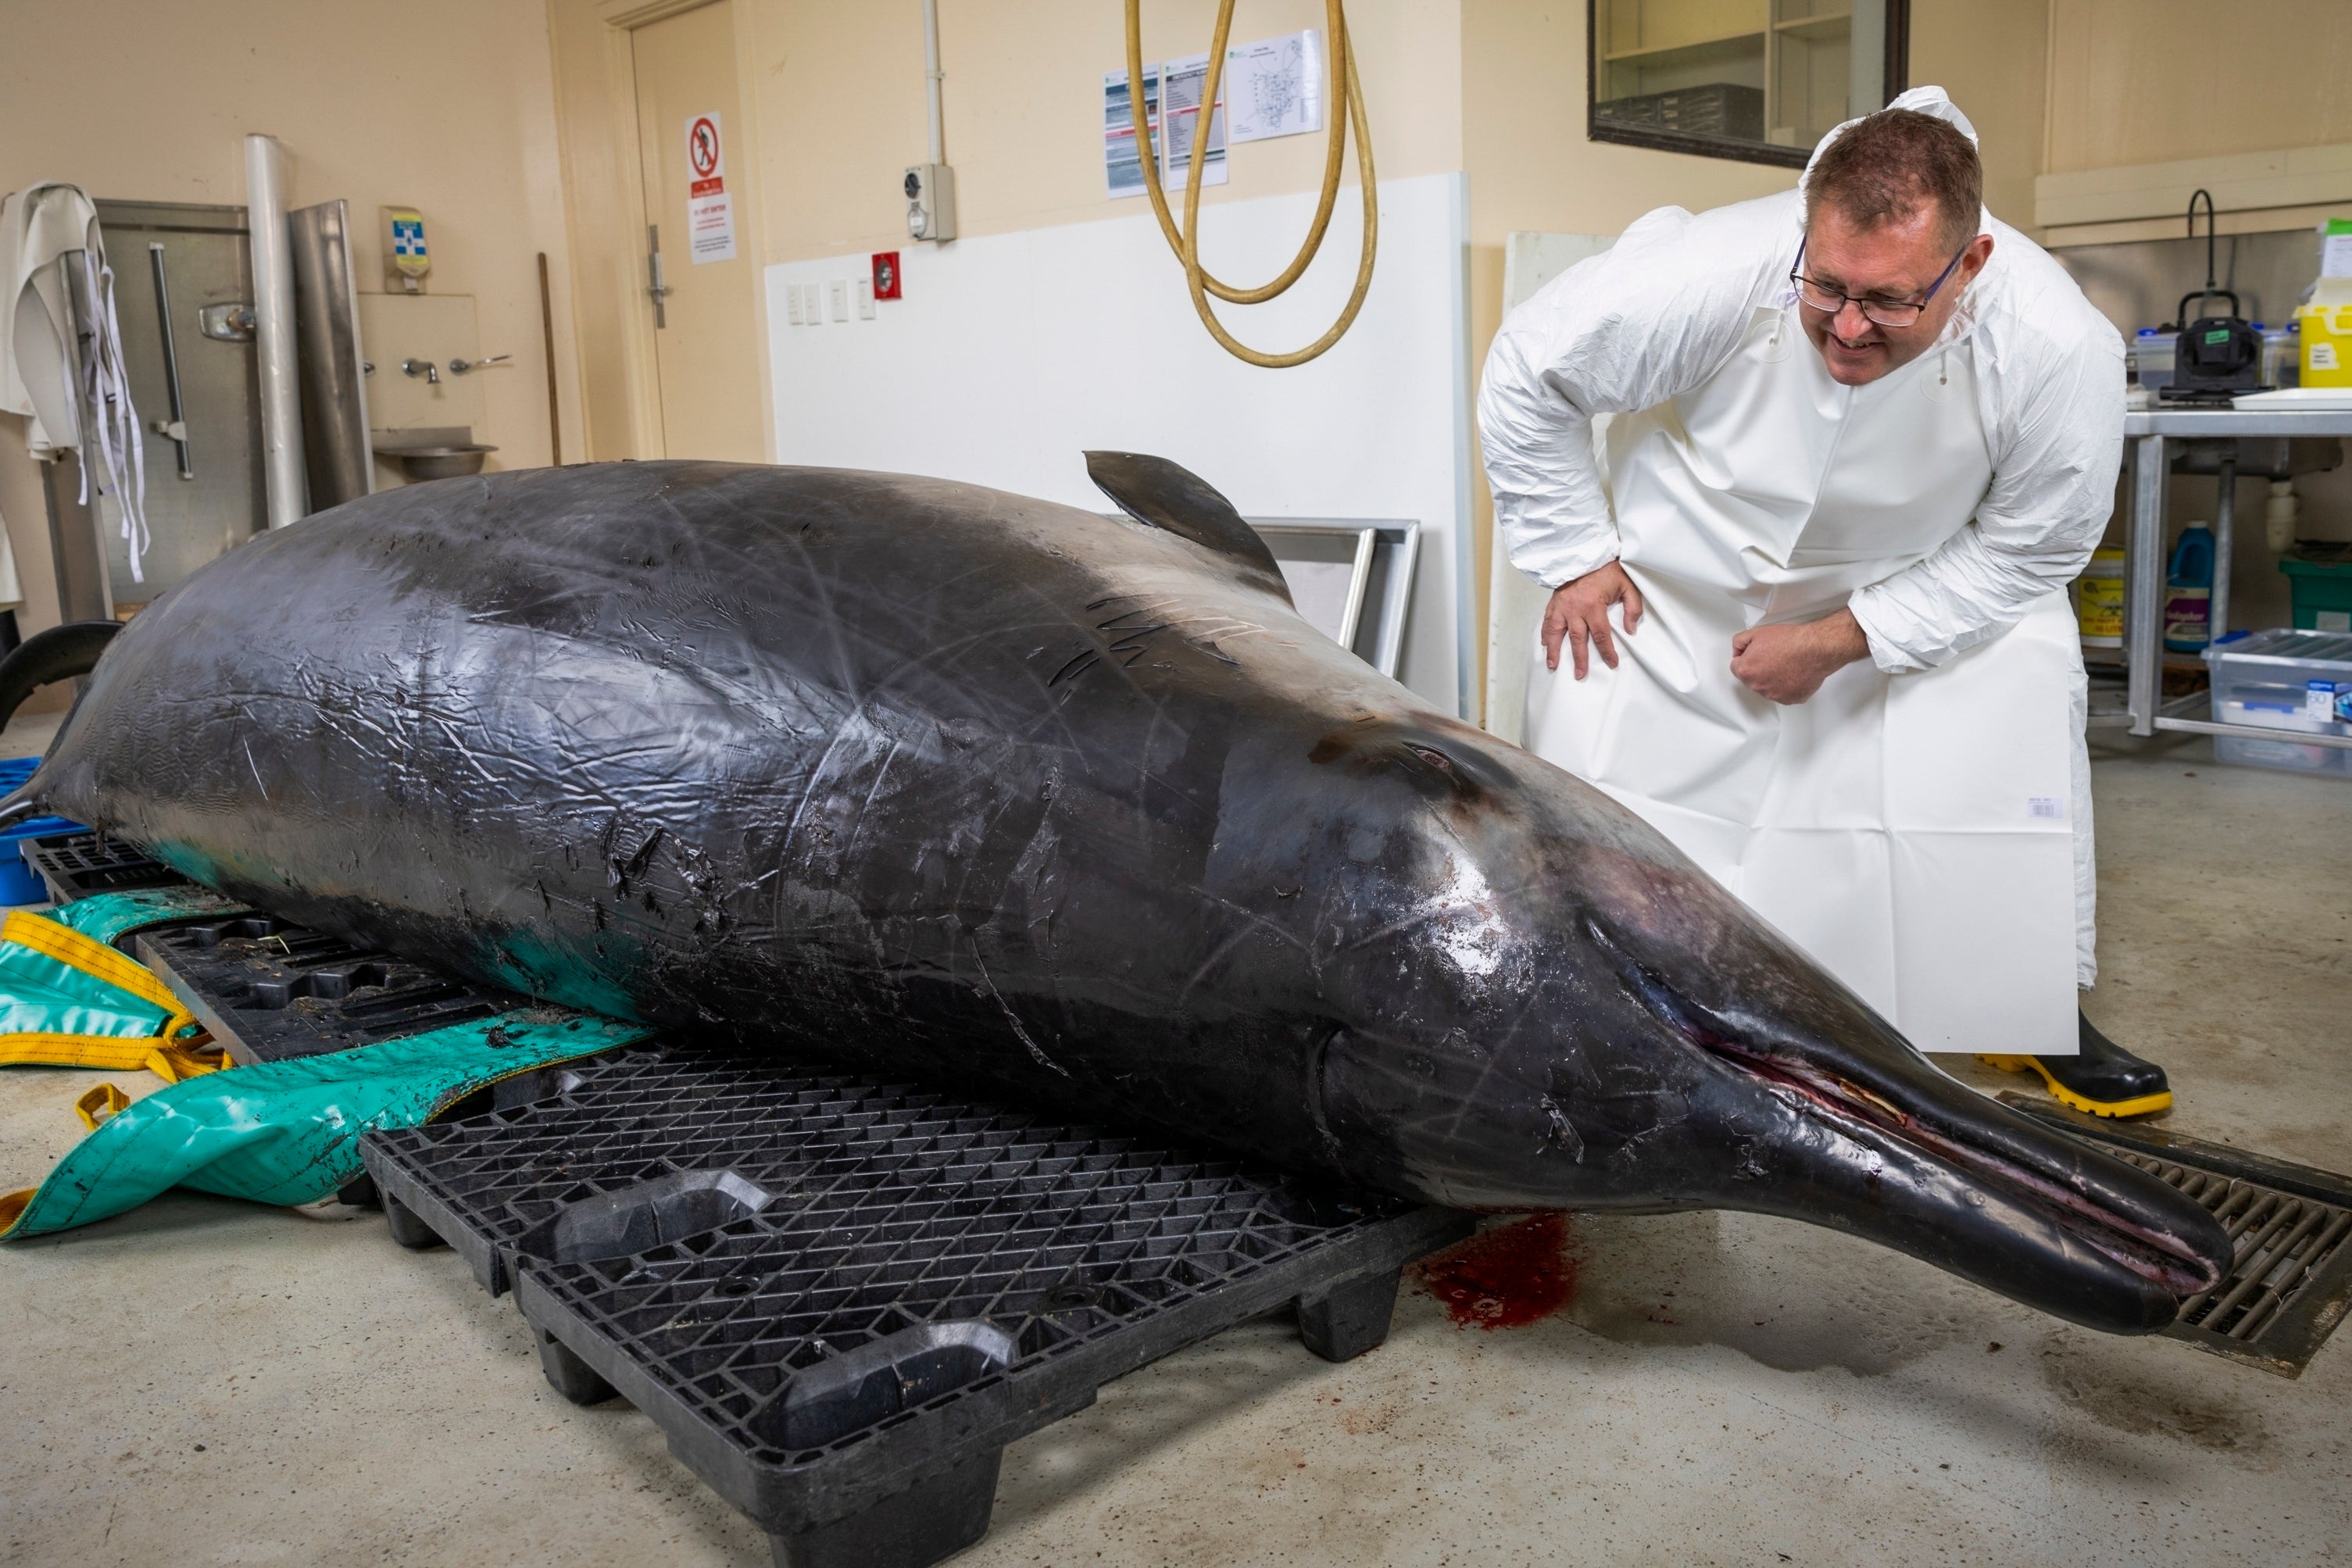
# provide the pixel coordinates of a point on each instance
(1894, 263)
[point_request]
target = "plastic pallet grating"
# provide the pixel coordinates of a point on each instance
(2290, 1282)
(75, 865)
(841, 1298)
(267, 989)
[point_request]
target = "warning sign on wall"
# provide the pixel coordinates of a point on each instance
(709, 211)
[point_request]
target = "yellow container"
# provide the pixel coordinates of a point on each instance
(2327, 344)
(2099, 599)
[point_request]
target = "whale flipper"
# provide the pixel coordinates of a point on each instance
(1163, 495)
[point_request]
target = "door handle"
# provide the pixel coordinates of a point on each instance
(176, 429)
(655, 286)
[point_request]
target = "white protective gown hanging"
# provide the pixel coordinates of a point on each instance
(1921, 825)
(46, 376)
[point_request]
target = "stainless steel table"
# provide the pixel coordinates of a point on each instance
(2149, 438)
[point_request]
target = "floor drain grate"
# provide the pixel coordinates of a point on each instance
(2290, 1281)
(2283, 1242)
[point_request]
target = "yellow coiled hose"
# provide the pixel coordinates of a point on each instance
(1346, 108)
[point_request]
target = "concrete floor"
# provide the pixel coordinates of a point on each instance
(207, 1382)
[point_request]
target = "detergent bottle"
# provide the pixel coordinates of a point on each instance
(2189, 592)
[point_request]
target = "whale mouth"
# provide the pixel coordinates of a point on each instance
(2165, 1260)
(1963, 1135)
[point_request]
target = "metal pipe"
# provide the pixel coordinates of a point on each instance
(177, 430)
(339, 456)
(2144, 602)
(282, 467)
(931, 70)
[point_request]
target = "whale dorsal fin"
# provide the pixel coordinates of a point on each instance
(1162, 494)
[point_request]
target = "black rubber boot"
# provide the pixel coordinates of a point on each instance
(2106, 1080)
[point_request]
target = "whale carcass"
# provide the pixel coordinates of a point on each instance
(989, 788)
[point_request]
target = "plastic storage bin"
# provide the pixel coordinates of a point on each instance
(2281, 355)
(2320, 577)
(2291, 681)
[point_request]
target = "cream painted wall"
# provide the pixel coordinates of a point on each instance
(2149, 81)
(445, 105)
(1024, 108)
(835, 98)
(1992, 56)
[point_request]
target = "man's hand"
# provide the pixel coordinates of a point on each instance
(1789, 663)
(1578, 611)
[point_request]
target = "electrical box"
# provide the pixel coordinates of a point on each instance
(405, 259)
(930, 201)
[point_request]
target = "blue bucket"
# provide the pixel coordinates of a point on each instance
(19, 883)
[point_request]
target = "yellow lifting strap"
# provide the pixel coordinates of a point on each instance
(165, 1052)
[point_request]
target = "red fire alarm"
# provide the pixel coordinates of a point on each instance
(885, 275)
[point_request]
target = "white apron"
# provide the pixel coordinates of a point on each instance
(1913, 832)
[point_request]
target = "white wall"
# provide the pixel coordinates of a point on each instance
(1013, 354)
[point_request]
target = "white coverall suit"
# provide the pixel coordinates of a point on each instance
(1922, 825)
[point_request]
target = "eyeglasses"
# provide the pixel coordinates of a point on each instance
(1883, 312)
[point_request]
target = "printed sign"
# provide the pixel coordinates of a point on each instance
(1180, 83)
(1276, 87)
(709, 210)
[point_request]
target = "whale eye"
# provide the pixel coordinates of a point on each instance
(1436, 760)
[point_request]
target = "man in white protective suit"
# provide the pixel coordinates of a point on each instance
(1865, 435)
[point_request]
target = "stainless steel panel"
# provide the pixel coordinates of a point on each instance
(327, 341)
(192, 520)
(2140, 284)
(75, 549)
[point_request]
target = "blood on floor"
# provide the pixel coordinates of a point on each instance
(1507, 1277)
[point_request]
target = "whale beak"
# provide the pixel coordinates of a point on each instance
(1846, 1124)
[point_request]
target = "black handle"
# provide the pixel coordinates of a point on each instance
(2207, 293)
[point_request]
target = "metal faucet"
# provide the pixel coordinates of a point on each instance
(425, 367)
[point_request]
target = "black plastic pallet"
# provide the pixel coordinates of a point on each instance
(841, 1297)
(75, 865)
(267, 989)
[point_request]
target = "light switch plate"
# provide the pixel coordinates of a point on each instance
(839, 288)
(866, 299)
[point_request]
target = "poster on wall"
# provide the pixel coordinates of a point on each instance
(1274, 86)
(1178, 83)
(709, 210)
(1181, 83)
(1122, 165)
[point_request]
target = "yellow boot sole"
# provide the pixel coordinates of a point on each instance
(2146, 1104)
